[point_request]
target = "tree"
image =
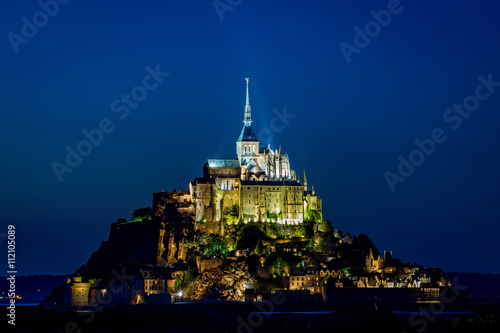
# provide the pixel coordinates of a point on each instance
(141, 214)
(313, 216)
(259, 248)
(215, 246)
(338, 234)
(326, 227)
(249, 237)
(182, 281)
(281, 263)
(121, 220)
(364, 243)
(305, 229)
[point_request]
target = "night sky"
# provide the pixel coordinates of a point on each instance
(349, 118)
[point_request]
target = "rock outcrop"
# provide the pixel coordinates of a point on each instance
(227, 282)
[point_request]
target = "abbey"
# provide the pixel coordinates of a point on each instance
(258, 186)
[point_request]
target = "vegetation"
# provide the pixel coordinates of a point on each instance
(138, 215)
(182, 281)
(213, 245)
(249, 236)
(141, 214)
(281, 263)
(312, 215)
(326, 227)
(232, 216)
(305, 229)
(347, 271)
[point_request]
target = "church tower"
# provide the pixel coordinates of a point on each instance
(247, 146)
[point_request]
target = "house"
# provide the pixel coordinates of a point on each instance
(311, 281)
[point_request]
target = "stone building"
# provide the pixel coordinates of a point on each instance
(257, 186)
(311, 281)
(153, 282)
(76, 291)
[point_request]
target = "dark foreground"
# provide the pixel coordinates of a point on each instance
(265, 317)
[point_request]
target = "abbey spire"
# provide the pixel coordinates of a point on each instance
(247, 133)
(248, 113)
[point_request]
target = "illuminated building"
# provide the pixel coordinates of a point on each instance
(258, 186)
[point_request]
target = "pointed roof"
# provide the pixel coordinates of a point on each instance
(254, 168)
(247, 134)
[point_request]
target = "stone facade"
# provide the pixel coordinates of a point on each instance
(76, 292)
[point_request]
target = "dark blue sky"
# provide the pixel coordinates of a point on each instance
(352, 120)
